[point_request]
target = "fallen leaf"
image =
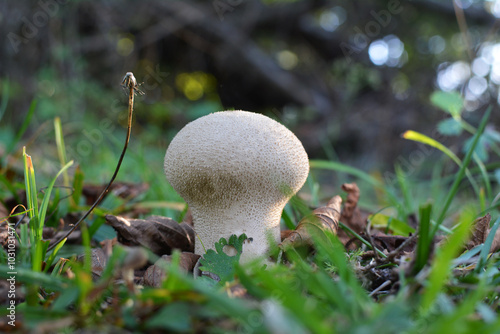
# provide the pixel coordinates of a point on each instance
(324, 218)
(351, 215)
(481, 229)
(159, 234)
(495, 245)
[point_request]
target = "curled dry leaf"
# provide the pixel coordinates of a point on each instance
(481, 229)
(155, 274)
(324, 218)
(159, 234)
(351, 216)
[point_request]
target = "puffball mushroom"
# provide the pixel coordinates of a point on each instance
(236, 170)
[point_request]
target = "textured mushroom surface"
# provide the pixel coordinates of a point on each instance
(236, 170)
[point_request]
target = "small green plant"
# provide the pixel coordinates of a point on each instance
(37, 215)
(218, 262)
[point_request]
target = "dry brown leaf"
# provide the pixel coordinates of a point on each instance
(159, 234)
(351, 202)
(481, 229)
(324, 218)
(351, 216)
(495, 245)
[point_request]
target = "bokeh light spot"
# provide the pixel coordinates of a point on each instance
(287, 59)
(125, 46)
(437, 44)
(378, 52)
(331, 19)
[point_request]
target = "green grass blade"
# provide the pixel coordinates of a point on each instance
(77, 186)
(53, 255)
(30, 187)
(38, 254)
(61, 150)
(424, 238)
(288, 219)
(339, 167)
(46, 198)
(460, 174)
(484, 175)
(441, 266)
(24, 244)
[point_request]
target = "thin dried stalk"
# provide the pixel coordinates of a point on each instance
(129, 82)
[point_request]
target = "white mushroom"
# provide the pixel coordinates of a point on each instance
(236, 170)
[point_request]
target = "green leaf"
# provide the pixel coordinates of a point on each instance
(386, 222)
(221, 264)
(451, 102)
(450, 127)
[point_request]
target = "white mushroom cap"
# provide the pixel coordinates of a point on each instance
(236, 170)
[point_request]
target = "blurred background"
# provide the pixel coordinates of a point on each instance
(348, 77)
